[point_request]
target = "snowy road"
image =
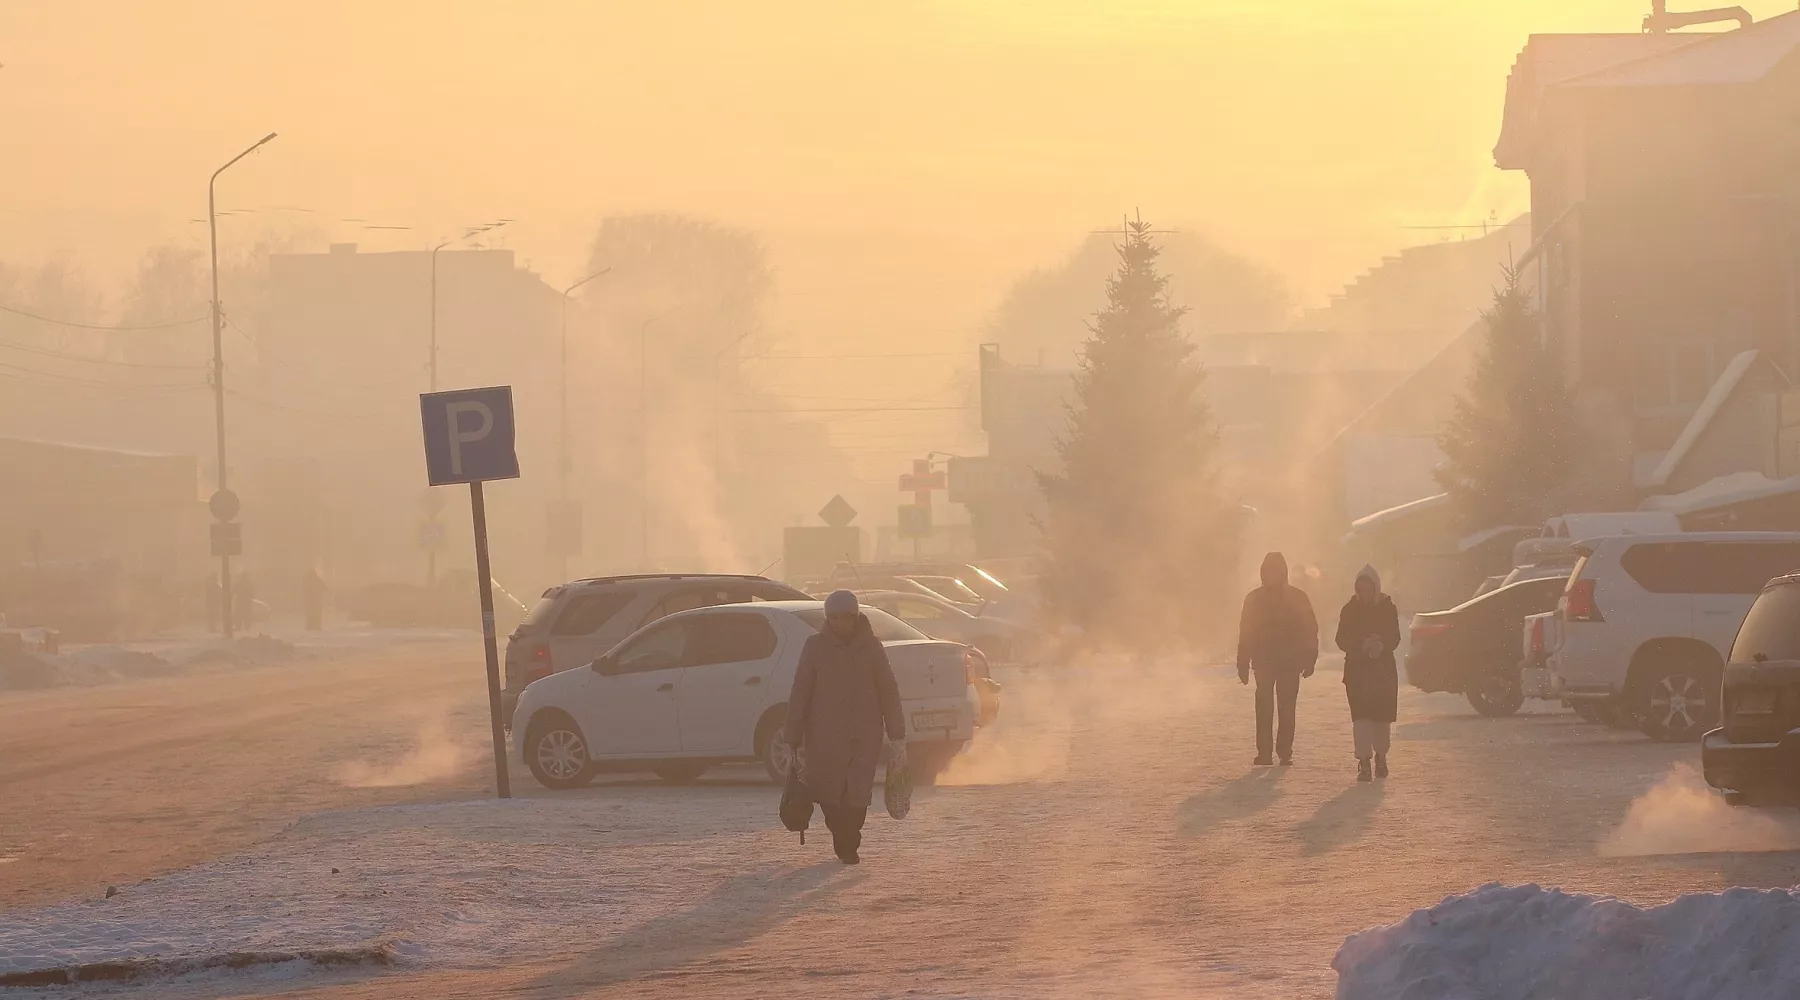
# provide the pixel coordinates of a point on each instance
(1112, 841)
(107, 785)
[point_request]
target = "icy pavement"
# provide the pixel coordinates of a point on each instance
(468, 884)
(1109, 838)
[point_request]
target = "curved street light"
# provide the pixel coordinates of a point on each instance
(218, 379)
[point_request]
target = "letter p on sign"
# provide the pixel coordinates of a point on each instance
(469, 435)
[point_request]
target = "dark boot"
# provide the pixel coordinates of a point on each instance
(1362, 770)
(1264, 761)
(1381, 765)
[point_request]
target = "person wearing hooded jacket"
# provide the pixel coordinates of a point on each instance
(1369, 632)
(1278, 638)
(843, 703)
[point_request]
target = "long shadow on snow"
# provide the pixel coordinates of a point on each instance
(1343, 819)
(1236, 799)
(731, 915)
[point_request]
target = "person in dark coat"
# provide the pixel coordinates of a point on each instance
(1278, 638)
(1368, 632)
(842, 714)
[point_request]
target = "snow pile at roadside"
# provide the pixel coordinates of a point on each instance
(1503, 942)
(242, 651)
(468, 884)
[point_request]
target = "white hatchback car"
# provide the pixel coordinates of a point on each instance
(710, 686)
(1646, 621)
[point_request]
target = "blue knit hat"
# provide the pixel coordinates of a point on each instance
(841, 602)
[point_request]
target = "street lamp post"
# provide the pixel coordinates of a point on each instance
(562, 467)
(644, 446)
(221, 506)
(432, 366)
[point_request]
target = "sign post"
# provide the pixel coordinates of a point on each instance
(469, 439)
(915, 518)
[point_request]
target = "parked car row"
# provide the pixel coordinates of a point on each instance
(674, 674)
(1635, 632)
(1647, 622)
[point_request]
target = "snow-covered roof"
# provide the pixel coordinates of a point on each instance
(1725, 491)
(1715, 400)
(1400, 513)
(1723, 58)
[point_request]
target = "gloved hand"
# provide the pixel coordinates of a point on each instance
(1243, 674)
(1308, 672)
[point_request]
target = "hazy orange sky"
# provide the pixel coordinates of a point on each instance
(904, 159)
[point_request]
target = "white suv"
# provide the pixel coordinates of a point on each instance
(1644, 626)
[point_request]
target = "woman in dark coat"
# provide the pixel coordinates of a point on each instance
(843, 711)
(1368, 633)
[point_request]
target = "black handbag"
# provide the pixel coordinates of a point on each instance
(796, 802)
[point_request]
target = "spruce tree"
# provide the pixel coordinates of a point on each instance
(1509, 446)
(1140, 546)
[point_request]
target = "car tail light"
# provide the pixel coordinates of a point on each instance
(1537, 635)
(1421, 629)
(971, 669)
(1579, 604)
(538, 664)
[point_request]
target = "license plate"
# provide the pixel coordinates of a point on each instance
(1756, 703)
(934, 720)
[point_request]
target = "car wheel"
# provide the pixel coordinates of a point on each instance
(557, 753)
(679, 774)
(1497, 694)
(1679, 704)
(772, 745)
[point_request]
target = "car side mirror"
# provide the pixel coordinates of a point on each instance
(605, 666)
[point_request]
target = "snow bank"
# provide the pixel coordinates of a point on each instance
(1504, 942)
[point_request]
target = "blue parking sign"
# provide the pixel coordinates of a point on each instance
(469, 435)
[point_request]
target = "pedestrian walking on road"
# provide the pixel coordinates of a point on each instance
(1368, 632)
(843, 713)
(1278, 638)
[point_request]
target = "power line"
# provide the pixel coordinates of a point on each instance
(46, 352)
(95, 383)
(97, 326)
(333, 381)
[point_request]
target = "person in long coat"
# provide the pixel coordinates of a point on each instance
(1369, 632)
(843, 711)
(1278, 638)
